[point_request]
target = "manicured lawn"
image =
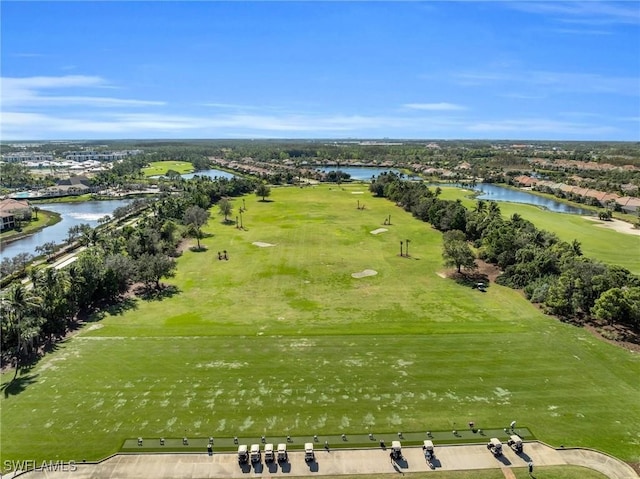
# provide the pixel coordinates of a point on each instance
(161, 167)
(283, 340)
(598, 243)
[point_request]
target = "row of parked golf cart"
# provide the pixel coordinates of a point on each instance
(254, 455)
(514, 442)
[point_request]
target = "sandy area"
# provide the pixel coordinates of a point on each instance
(364, 273)
(378, 231)
(617, 225)
(261, 244)
(357, 192)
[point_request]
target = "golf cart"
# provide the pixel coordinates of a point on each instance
(269, 456)
(495, 446)
(255, 453)
(282, 453)
(515, 442)
(427, 448)
(396, 450)
(243, 455)
(308, 452)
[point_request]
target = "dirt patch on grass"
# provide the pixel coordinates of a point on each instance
(484, 272)
(364, 273)
(617, 334)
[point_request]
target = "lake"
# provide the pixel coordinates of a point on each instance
(72, 214)
(213, 173)
(491, 192)
(361, 172)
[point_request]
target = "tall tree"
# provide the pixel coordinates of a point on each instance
(456, 252)
(152, 268)
(20, 308)
(195, 218)
(225, 208)
(263, 191)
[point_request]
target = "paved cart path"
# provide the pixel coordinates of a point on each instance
(335, 462)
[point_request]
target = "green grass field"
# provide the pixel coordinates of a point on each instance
(608, 246)
(157, 168)
(283, 340)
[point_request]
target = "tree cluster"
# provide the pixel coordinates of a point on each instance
(114, 259)
(551, 272)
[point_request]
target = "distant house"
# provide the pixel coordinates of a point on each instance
(9, 210)
(73, 186)
(629, 204)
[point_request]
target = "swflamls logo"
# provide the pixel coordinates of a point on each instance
(31, 464)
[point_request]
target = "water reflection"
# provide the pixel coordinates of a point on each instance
(492, 192)
(72, 214)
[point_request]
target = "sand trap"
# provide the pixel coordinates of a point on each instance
(616, 225)
(364, 273)
(357, 192)
(260, 244)
(378, 231)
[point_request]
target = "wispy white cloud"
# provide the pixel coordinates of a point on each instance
(553, 81)
(581, 31)
(35, 91)
(593, 12)
(442, 106)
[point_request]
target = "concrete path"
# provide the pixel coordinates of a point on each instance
(336, 462)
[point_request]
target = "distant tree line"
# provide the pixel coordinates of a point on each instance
(551, 272)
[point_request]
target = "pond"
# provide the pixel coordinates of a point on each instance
(213, 173)
(72, 214)
(361, 172)
(491, 192)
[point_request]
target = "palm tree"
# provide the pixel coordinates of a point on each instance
(20, 307)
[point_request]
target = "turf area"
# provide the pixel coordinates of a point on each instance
(605, 245)
(160, 168)
(283, 340)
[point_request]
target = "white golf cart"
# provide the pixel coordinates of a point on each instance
(308, 452)
(282, 452)
(427, 448)
(269, 456)
(243, 455)
(255, 453)
(515, 442)
(396, 450)
(495, 446)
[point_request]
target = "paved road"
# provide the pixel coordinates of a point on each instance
(336, 462)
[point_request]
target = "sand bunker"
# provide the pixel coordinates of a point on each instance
(357, 192)
(378, 231)
(616, 225)
(261, 244)
(364, 273)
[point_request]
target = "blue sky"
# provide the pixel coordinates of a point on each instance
(419, 70)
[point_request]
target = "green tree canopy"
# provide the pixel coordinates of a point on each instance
(225, 208)
(195, 218)
(456, 251)
(263, 191)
